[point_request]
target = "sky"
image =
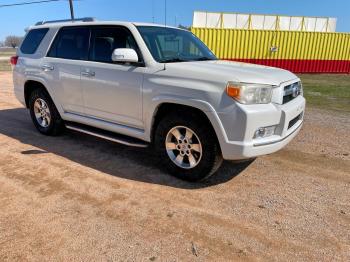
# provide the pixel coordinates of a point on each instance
(13, 20)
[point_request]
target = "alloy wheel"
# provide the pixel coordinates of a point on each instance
(183, 147)
(42, 113)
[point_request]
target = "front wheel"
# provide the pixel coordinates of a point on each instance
(187, 148)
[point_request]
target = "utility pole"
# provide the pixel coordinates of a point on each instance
(71, 9)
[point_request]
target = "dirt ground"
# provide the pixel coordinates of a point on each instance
(78, 198)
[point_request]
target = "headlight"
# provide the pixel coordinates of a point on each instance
(294, 90)
(249, 93)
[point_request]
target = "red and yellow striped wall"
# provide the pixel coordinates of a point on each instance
(299, 52)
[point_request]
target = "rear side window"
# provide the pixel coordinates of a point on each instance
(71, 43)
(32, 41)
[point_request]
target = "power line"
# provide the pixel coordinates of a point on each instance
(29, 3)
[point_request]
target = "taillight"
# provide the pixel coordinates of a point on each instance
(14, 60)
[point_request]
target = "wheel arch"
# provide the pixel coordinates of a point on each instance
(206, 115)
(30, 86)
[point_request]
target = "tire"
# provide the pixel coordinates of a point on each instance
(207, 161)
(54, 124)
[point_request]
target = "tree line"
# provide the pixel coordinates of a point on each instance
(11, 41)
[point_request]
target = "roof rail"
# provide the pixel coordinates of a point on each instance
(84, 19)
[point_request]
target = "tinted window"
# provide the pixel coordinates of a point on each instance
(173, 45)
(71, 43)
(32, 41)
(105, 40)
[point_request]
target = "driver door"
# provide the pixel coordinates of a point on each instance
(112, 92)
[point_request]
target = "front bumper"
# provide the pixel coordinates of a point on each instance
(239, 128)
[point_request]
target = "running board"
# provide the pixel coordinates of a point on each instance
(107, 135)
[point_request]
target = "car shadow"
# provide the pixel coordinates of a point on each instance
(107, 157)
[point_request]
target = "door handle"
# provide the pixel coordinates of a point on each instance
(47, 68)
(88, 73)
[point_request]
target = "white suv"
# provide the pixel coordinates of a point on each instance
(142, 84)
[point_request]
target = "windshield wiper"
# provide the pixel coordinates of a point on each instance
(173, 60)
(176, 59)
(203, 59)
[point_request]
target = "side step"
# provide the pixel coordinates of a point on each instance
(107, 135)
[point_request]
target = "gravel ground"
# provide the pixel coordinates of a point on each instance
(77, 198)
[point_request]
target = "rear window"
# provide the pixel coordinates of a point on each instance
(32, 41)
(71, 43)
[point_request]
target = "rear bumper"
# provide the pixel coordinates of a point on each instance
(239, 128)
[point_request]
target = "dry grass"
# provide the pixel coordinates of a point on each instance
(7, 52)
(5, 66)
(330, 92)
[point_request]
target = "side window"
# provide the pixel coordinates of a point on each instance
(71, 43)
(32, 41)
(105, 40)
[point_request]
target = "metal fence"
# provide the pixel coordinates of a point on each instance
(300, 52)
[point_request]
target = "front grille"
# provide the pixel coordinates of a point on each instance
(294, 121)
(291, 91)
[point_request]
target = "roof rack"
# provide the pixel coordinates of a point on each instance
(84, 19)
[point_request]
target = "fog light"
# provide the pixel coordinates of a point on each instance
(265, 132)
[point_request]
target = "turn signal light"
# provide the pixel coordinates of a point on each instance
(233, 91)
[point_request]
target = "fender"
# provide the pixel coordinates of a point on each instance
(47, 88)
(203, 106)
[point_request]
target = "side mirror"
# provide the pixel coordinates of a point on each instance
(125, 55)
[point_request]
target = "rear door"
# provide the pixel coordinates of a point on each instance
(112, 91)
(62, 67)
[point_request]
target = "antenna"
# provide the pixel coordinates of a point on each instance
(165, 9)
(153, 11)
(165, 5)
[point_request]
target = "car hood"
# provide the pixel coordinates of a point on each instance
(233, 71)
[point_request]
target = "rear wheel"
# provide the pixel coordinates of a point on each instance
(187, 148)
(44, 114)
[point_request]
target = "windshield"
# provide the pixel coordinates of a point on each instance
(169, 45)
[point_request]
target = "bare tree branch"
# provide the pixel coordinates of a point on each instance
(13, 41)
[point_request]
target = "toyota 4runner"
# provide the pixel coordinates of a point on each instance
(145, 84)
